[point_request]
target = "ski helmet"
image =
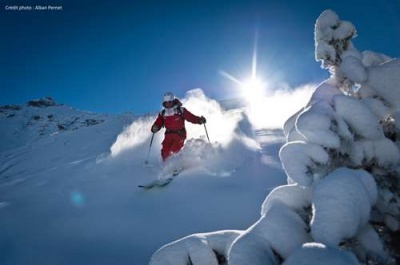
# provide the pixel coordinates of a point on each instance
(168, 97)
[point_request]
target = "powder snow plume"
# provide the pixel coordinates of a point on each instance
(270, 112)
(230, 135)
(134, 135)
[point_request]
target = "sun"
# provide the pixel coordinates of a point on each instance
(252, 89)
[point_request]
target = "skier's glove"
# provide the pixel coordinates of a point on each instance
(202, 120)
(154, 129)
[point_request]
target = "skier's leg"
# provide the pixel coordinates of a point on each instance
(177, 144)
(166, 146)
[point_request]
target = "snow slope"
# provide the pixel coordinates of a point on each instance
(68, 182)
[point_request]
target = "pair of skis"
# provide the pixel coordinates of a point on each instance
(159, 183)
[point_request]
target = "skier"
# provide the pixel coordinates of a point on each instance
(173, 117)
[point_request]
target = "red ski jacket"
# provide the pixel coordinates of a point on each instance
(174, 120)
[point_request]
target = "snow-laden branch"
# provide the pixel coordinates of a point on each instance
(255, 245)
(298, 158)
(316, 253)
(294, 196)
(358, 116)
(199, 249)
(341, 205)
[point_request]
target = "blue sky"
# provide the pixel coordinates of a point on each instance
(117, 56)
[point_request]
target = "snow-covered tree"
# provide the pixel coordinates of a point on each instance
(342, 160)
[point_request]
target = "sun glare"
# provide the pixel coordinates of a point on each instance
(266, 106)
(252, 89)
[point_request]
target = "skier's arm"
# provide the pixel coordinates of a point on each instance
(157, 124)
(190, 117)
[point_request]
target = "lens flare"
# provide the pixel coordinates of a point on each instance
(77, 199)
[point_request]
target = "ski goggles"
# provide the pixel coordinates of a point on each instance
(168, 104)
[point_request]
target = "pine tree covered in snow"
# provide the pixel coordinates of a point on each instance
(342, 201)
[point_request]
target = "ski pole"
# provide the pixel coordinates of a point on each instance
(148, 154)
(205, 128)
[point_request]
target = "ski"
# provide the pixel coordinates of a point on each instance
(156, 183)
(159, 183)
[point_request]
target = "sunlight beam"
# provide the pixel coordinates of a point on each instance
(230, 77)
(254, 62)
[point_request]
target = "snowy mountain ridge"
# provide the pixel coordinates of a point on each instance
(23, 124)
(43, 126)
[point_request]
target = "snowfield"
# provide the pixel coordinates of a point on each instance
(70, 196)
